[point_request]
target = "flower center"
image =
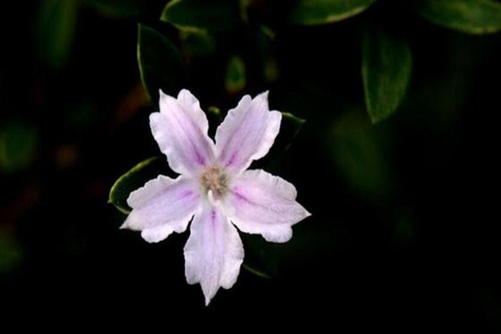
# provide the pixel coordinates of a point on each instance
(213, 179)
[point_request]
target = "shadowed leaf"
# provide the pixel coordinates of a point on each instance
(214, 15)
(386, 70)
(360, 154)
(134, 179)
(160, 63)
(468, 16)
(56, 29)
(311, 12)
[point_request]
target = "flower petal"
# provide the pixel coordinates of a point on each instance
(162, 206)
(247, 132)
(159, 233)
(261, 203)
(180, 129)
(213, 252)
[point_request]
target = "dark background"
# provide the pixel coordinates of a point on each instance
(404, 229)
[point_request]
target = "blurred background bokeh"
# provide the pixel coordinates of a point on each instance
(404, 229)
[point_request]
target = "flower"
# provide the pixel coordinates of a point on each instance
(214, 189)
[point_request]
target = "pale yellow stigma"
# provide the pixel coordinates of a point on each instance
(214, 180)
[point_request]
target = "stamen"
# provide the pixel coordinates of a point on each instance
(214, 180)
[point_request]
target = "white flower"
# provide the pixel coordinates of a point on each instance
(214, 190)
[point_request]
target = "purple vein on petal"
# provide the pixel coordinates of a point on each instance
(190, 133)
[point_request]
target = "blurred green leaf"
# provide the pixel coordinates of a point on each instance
(18, 144)
(160, 63)
(255, 271)
(468, 16)
(311, 12)
(11, 253)
(386, 70)
(197, 43)
(404, 230)
(119, 8)
(55, 30)
(270, 69)
(214, 15)
(134, 179)
(215, 117)
(235, 79)
(360, 153)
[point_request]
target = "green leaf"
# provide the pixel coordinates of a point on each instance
(55, 31)
(235, 79)
(160, 63)
(214, 15)
(134, 179)
(311, 12)
(468, 16)
(386, 70)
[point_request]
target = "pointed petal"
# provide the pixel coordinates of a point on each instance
(247, 132)
(213, 253)
(162, 206)
(180, 129)
(261, 203)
